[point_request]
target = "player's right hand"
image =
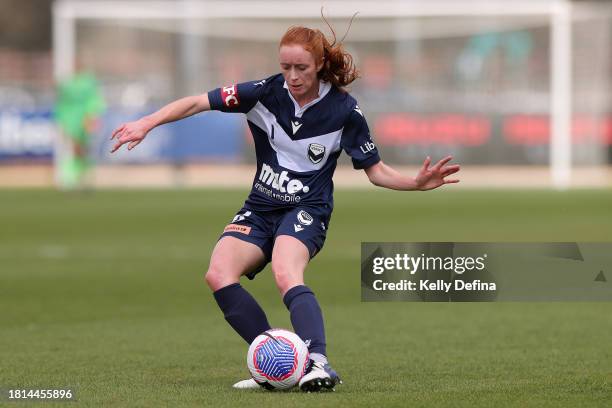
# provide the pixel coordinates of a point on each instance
(132, 133)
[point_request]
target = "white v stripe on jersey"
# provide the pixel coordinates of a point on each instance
(293, 154)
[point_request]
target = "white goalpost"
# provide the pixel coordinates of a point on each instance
(68, 13)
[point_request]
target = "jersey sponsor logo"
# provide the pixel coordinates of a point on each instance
(304, 218)
(316, 152)
(367, 147)
(281, 181)
(243, 229)
(295, 125)
(229, 95)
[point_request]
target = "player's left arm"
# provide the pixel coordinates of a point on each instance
(358, 144)
(428, 178)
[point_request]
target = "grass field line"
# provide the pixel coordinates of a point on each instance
(51, 252)
(101, 252)
(241, 176)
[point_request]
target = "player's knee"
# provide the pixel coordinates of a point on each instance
(218, 277)
(286, 276)
(211, 278)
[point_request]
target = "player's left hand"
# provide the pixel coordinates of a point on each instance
(429, 178)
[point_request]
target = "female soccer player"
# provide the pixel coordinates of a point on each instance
(300, 119)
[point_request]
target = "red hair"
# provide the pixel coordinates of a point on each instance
(338, 67)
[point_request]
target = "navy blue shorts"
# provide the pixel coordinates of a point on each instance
(308, 224)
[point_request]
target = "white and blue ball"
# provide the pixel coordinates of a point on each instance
(278, 357)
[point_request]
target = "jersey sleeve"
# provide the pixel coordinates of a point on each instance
(356, 141)
(236, 98)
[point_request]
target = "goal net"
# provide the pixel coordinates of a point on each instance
(521, 85)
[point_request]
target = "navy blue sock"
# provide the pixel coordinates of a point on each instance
(306, 317)
(242, 311)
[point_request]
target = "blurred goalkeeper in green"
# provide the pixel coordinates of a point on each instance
(78, 106)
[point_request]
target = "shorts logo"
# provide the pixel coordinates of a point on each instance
(237, 228)
(241, 217)
(229, 95)
(316, 152)
(304, 218)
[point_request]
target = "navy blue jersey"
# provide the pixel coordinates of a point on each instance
(297, 148)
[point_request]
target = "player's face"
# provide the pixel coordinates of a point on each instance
(300, 71)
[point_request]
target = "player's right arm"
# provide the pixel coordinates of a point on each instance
(134, 132)
(234, 98)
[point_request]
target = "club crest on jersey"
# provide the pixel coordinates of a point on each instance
(304, 218)
(229, 95)
(316, 152)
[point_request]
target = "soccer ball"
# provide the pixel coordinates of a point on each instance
(277, 359)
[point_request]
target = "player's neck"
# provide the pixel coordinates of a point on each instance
(308, 97)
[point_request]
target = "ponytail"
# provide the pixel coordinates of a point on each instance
(338, 66)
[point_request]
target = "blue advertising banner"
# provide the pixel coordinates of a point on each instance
(26, 134)
(208, 136)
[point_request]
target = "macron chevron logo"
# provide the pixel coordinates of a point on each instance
(296, 126)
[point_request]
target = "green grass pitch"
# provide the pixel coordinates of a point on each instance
(104, 292)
